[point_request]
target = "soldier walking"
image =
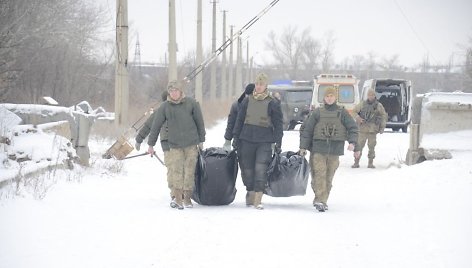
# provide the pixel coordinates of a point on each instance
(371, 118)
(324, 133)
(258, 126)
(186, 134)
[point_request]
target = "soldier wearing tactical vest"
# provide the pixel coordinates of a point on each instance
(258, 126)
(324, 133)
(371, 117)
(185, 135)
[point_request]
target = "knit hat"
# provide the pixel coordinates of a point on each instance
(262, 78)
(174, 84)
(331, 90)
(248, 91)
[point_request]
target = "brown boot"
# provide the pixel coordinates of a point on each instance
(250, 198)
(371, 163)
(187, 200)
(257, 200)
(356, 163)
(178, 199)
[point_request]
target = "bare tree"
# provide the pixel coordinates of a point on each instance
(288, 49)
(327, 52)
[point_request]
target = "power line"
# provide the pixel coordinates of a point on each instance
(414, 31)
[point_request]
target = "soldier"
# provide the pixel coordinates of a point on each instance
(233, 114)
(186, 134)
(259, 125)
(144, 132)
(371, 117)
(324, 133)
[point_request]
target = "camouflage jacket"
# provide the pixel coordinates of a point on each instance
(373, 115)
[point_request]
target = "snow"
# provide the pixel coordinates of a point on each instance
(391, 216)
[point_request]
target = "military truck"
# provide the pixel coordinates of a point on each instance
(294, 99)
(347, 85)
(395, 95)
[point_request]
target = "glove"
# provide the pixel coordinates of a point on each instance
(235, 143)
(302, 152)
(137, 146)
(200, 146)
(277, 150)
(227, 145)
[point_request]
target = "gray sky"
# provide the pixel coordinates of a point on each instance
(411, 29)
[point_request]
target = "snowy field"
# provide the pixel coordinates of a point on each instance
(393, 216)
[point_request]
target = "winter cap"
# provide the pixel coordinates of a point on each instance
(331, 90)
(262, 78)
(173, 85)
(249, 89)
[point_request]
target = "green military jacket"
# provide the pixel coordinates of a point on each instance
(185, 126)
(327, 146)
(146, 129)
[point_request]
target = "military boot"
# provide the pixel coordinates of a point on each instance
(187, 200)
(172, 198)
(178, 199)
(257, 200)
(356, 163)
(371, 163)
(250, 198)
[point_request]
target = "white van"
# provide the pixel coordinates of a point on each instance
(396, 96)
(347, 85)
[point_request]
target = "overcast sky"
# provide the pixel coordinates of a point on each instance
(411, 29)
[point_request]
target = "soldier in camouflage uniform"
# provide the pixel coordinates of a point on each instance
(371, 117)
(324, 133)
(258, 127)
(186, 134)
(144, 132)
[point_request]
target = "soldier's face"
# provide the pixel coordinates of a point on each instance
(371, 97)
(260, 87)
(175, 94)
(330, 99)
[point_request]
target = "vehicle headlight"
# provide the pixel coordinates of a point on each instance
(295, 109)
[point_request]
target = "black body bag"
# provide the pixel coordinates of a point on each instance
(287, 175)
(215, 177)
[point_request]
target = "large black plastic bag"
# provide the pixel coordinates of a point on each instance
(287, 175)
(215, 177)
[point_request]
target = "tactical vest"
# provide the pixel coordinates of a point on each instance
(257, 113)
(330, 126)
(368, 112)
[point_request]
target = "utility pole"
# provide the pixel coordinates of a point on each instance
(248, 79)
(231, 92)
(199, 78)
(121, 64)
(172, 69)
(239, 80)
(224, 89)
(213, 50)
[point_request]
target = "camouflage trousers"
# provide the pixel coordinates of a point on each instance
(371, 139)
(323, 167)
(181, 163)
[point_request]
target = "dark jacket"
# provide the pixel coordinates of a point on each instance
(331, 147)
(184, 123)
(233, 115)
(254, 133)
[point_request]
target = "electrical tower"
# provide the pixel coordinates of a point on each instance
(137, 56)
